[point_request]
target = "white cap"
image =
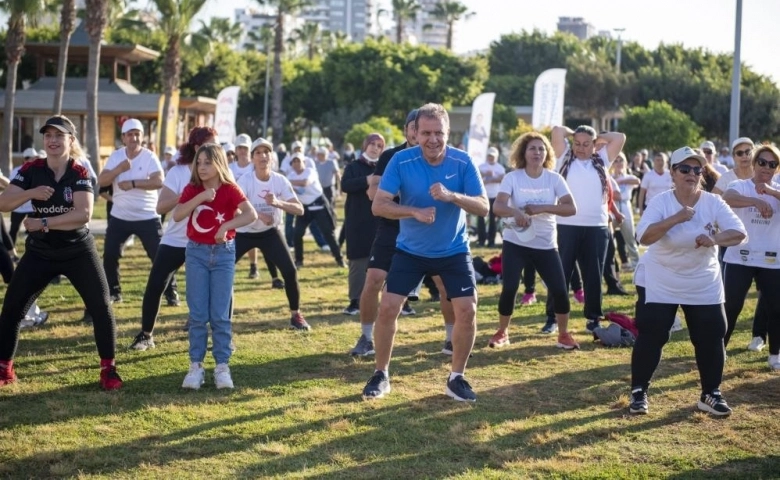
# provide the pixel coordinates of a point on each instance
(296, 144)
(170, 150)
(30, 153)
(228, 147)
(492, 152)
(740, 141)
(132, 124)
(261, 142)
(707, 144)
(298, 155)
(322, 150)
(244, 140)
(682, 154)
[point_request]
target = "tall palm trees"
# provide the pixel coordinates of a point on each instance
(19, 12)
(283, 8)
(310, 35)
(67, 24)
(222, 30)
(404, 10)
(451, 12)
(97, 18)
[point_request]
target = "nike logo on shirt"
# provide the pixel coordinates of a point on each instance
(447, 177)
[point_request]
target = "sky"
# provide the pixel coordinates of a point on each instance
(692, 23)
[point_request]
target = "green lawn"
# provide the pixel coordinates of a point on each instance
(297, 412)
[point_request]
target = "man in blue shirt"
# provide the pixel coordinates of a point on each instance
(437, 186)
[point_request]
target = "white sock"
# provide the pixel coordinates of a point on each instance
(448, 331)
(454, 375)
(385, 372)
(368, 331)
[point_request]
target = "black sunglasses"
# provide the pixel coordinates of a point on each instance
(740, 153)
(767, 163)
(707, 151)
(686, 169)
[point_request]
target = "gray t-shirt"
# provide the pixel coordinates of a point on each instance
(326, 171)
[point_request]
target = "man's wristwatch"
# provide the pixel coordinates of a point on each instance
(45, 224)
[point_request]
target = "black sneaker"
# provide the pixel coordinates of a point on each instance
(550, 326)
(116, 298)
(447, 349)
(277, 283)
(378, 385)
(172, 300)
(363, 348)
(297, 322)
(142, 342)
(87, 318)
(407, 310)
(638, 401)
(186, 326)
(592, 325)
(253, 272)
(714, 403)
(459, 389)
(352, 309)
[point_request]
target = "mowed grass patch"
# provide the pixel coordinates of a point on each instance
(297, 412)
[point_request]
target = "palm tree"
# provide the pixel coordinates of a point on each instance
(310, 35)
(19, 13)
(174, 20)
(97, 18)
(67, 25)
(450, 12)
(283, 8)
(221, 30)
(334, 40)
(404, 10)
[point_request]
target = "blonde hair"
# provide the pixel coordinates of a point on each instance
(216, 154)
(517, 157)
(76, 151)
(765, 148)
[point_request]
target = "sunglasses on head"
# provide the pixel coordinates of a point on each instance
(767, 163)
(686, 169)
(740, 153)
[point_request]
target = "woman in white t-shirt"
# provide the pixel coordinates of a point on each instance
(757, 203)
(741, 149)
(682, 227)
(530, 197)
(625, 235)
(270, 194)
(657, 180)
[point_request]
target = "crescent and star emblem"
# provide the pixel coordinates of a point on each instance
(220, 218)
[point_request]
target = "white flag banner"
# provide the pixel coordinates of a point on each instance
(225, 116)
(548, 98)
(479, 130)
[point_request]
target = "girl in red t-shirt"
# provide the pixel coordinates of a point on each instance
(215, 207)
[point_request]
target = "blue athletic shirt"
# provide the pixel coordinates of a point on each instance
(410, 176)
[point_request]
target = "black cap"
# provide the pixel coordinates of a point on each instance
(412, 116)
(61, 123)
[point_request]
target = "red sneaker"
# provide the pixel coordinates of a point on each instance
(499, 339)
(297, 322)
(7, 374)
(579, 295)
(566, 342)
(109, 379)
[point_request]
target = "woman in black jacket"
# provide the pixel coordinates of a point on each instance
(359, 223)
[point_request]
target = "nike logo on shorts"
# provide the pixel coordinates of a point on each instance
(465, 289)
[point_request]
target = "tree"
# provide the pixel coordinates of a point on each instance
(450, 12)
(382, 125)
(174, 21)
(659, 127)
(19, 13)
(283, 7)
(310, 35)
(97, 18)
(221, 30)
(67, 25)
(404, 10)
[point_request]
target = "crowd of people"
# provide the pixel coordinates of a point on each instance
(564, 208)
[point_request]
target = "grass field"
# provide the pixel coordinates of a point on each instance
(296, 410)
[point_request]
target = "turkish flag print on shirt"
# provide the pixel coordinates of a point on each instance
(207, 217)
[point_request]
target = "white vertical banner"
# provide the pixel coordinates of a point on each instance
(549, 89)
(479, 129)
(225, 116)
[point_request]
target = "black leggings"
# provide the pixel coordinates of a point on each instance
(706, 325)
(6, 262)
(81, 264)
(167, 260)
(737, 283)
(16, 221)
(273, 248)
(322, 218)
(117, 233)
(514, 259)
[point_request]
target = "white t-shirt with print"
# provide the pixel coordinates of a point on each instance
(672, 270)
(763, 233)
(256, 190)
(135, 204)
(494, 170)
(655, 184)
(175, 234)
(285, 168)
(312, 191)
(585, 186)
(545, 190)
(239, 171)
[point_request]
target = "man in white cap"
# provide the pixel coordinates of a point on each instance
(708, 149)
(725, 157)
(492, 173)
(289, 230)
(240, 167)
(136, 175)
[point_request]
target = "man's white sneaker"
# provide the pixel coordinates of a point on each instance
(195, 377)
(677, 325)
(757, 344)
(774, 362)
(222, 377)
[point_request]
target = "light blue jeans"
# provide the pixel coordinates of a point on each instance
(209, 271)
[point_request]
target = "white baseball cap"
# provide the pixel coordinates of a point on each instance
(170, 150)
(228, 147)
(492, 152)
(740, 141)
(682, 154)
(296, 144)
(707, 144)
(132, 124)
(244, 140)
(261, 142)
(30, 153)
